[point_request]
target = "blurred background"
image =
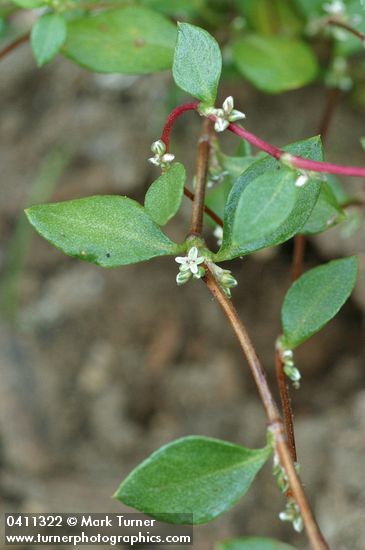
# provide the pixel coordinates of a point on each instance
(101, 367)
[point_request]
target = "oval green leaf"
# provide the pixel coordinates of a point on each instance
(105, 230)
(47, 37)
(326, 213)
(253, 543)
(265, 208)
(315, 298)
(131, 40)
(29, 4)
(164, 196)
(197, 63)
(193, 475)
(274, 63)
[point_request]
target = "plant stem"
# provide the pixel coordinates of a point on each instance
(333, 96)
(295, 161)
(338, 23)
(332, 99)
(285, 404)
(274, 421)
(10, 47)
(298, 256)
(202, 165)
(176, 113)
(207, 210)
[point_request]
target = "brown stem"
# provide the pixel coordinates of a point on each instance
(285, 404)
(202, 165)
(343, 25)
(333, 97)
(10, 47)
(207, 210)
(298, 256)
(274, 421)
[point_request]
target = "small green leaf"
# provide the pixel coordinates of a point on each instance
(130, 40)
(253, 543)
(181, 8)
(274, 63)
(216, 199)
(47, 37)
(197, 63)
(315, 298)
(193, 475)
(326, 213)
(265, 208)
(163, 198)
(29, 4)
(310, 8)
(106, 230)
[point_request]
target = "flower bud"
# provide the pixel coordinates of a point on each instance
(227, 280)
(292, 373)
(183, 277)
(158, 147)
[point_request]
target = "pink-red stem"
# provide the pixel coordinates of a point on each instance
(178, 111)
(295, 161)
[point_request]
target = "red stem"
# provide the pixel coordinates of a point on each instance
(295, 161)
(21, 40)
(165, 136)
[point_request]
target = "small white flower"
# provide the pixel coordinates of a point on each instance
(302, 179)
(191, 262)
(225, 115)
(336, 7)
(292, 513)
(218, 233)
(161, 158)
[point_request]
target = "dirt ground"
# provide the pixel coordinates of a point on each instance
(101, 367)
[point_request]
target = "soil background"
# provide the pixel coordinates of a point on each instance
(101, 367)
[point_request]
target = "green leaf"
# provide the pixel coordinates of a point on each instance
(265, 208)
(273, 63)
(229, 170)
(310, 8)
(216, 199)
(131, 40)
(29, 4)
(268, 17)
(197, 63)
(106, 230)
(164, 196)
(326, 213)
(342, 196)
(253, 543)
(181, 8)
(315, 298)
(193, 475)
(47, 37)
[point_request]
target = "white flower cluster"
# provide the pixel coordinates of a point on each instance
(225, 279)
(161, 158)
(291, 371)
(336, 8)
(190, 266)
(225, 115)
(292, 514)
